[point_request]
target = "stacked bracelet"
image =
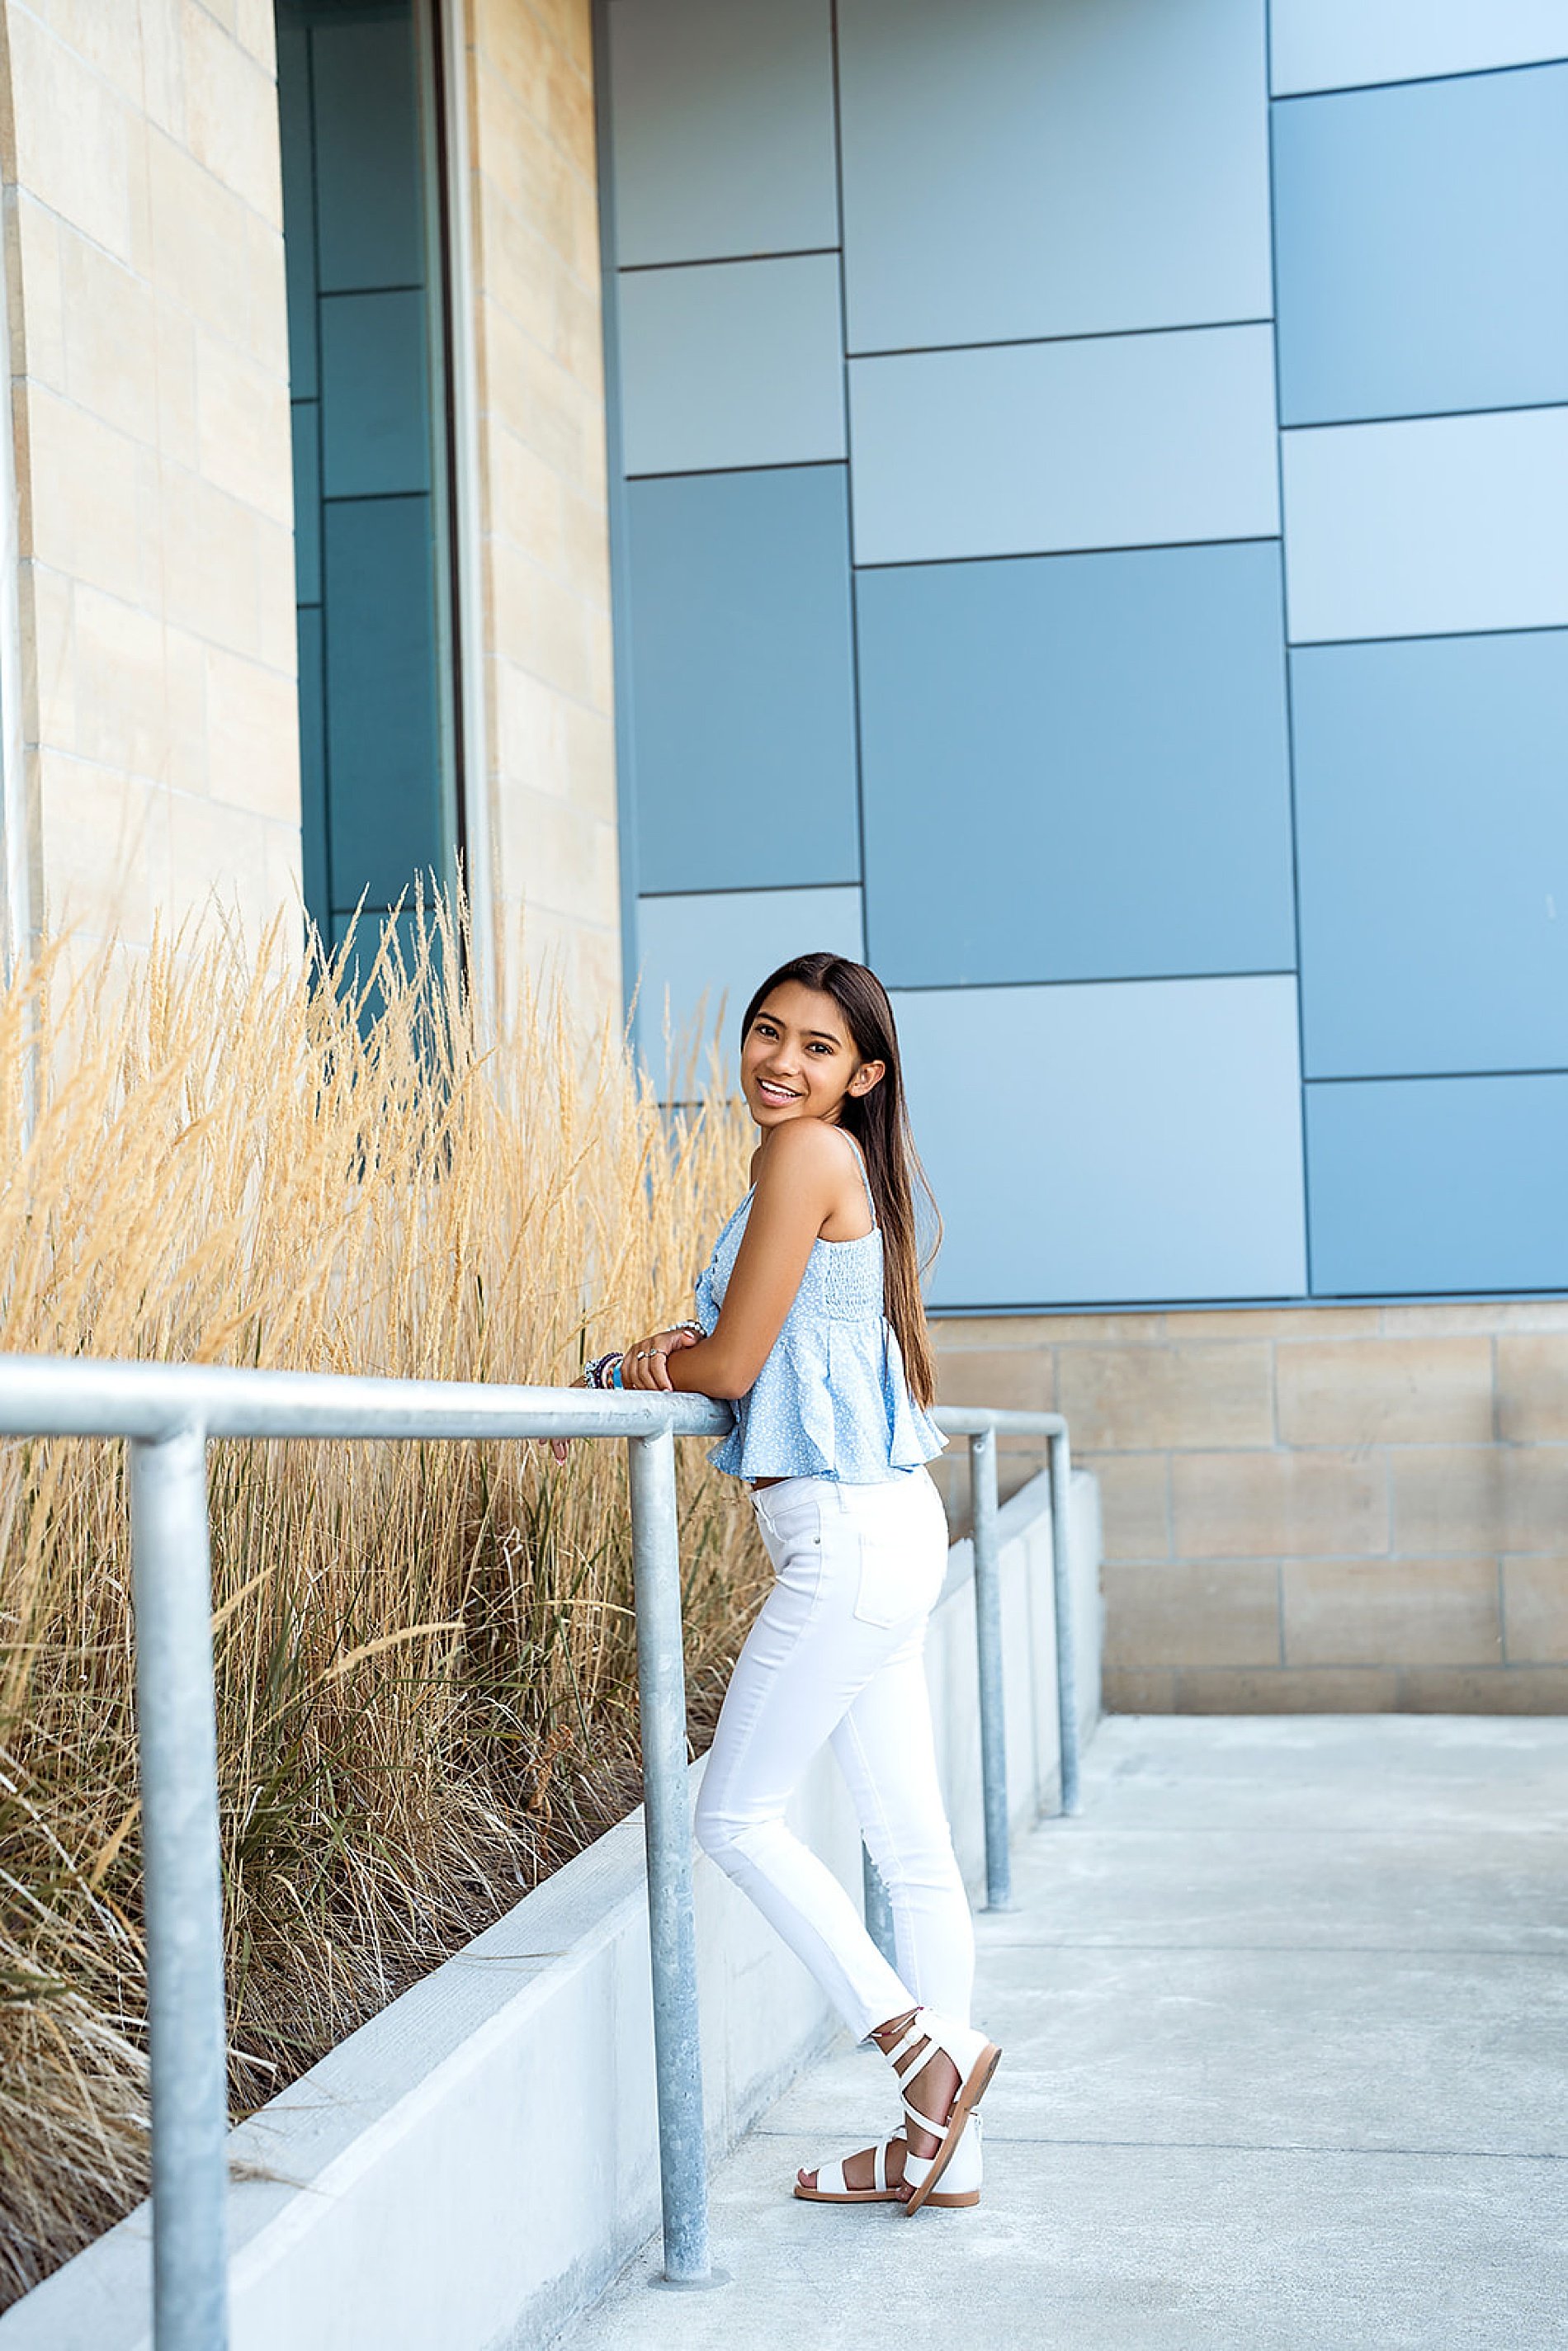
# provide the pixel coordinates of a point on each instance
(603, 1372)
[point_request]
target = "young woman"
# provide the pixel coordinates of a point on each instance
(810, 1320)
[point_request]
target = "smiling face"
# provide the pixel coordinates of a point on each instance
(799, 1059)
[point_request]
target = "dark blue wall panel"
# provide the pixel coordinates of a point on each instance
(1075, 768)
(375, 398)
(368, 192)
(741, 680)
(316, 871)
(1420, 234)
(1438, 1184)
(383, 738)
(1432, 817)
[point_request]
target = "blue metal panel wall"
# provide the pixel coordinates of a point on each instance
(1332, 44)
(1095, 825)
(1420, 238)
(1433, 837)
(742, 680)
(1053, 169)
(379, 794)
(1126, 713)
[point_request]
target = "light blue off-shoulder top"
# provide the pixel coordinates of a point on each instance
(831, 1400)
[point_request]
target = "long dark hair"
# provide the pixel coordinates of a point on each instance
(879, 1122)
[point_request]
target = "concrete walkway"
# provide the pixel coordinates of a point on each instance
(1285, 2016)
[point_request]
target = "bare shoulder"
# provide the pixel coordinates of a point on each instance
(803, 1153)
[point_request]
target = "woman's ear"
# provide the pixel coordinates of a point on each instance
(869, 1074)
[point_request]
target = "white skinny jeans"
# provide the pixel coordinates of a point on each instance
(837, 1653)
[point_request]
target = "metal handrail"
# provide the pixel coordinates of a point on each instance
(167, 1412)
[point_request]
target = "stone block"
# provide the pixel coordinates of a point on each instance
(1533, 1387)
(1457, 1319)
(1535, 1611)
(959, 1331)
(1392, 1611)
(231, 112)
(1280, 1505)
(178, 438)
(90, 506)
(209, 551)
(110, 343)
(1126, 1690)
(198, 240)
(253, 737)
(1210, 1393)
(1479, 1498)
(1135, 1500)
(95, 831)
(524, 497)
(46, 604)
(1230, 1690)
(1103, 1330)
(242, 428)
(72, 134)
(564, 858)
(1274, 1322)
(33, 258)
(121, 706)
(1505, 1689)
(538, 624)
(1192, 1613)
(1385, 1391)
(268, 303)
(1015, 1379)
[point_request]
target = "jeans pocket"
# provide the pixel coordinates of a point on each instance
(785, 1525)
(887, 1594)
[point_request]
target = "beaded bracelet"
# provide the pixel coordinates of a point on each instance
(598, 1374)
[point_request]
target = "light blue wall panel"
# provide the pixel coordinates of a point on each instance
(1121, 440)
(375, 406)
(1112, 1144)
(305, 431)
(1432, 824)
(382, 742)
(1329, 44)
(369, 223)
(734, 363)
(700, 957)
(1438, 1184)
(722, 126)
(1059, 168)
(1419, 244)
(741, 680)
(1454, 523)
(1123, 717)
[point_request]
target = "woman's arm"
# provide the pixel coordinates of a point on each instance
(798, 1180)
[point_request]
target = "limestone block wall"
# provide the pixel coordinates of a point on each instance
(1312, 1509)
(546, 564)
(150, 405)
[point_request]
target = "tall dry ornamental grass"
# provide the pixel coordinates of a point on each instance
(425, 1671)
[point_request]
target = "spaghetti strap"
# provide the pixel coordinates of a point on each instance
(866, 1177)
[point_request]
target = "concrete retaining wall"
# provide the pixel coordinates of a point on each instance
(473, 2165)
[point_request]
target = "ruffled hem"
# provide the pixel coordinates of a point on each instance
(824, 1424)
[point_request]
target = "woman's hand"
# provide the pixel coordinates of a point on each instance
(644, 1365)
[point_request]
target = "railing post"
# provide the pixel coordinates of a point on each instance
(988, 1644)
(877, 1908)
(176, 1735)
(672, 1922)
(1062, 1590)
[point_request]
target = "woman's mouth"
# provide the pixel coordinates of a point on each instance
(776, 1097)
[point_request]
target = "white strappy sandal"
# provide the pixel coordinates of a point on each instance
(975, 2059)
(959, 2190)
